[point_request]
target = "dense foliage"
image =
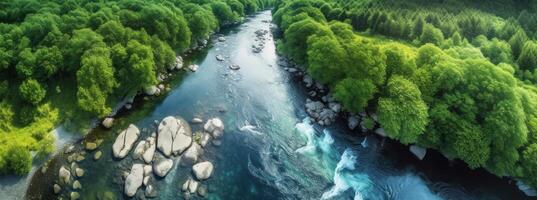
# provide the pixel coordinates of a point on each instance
(64, 60)
(456, 76)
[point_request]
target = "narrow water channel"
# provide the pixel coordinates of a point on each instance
(270, 150)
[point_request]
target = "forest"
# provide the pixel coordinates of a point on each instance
(69, 61)
(458, 76)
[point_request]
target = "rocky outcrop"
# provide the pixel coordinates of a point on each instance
(125, 141)
(203, 170)
(215, 127)
(320, 113)
(191, 155)
(162, 166)
(134, 180)
(174, 136)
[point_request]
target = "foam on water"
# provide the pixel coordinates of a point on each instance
(346, 178)
(306, 129)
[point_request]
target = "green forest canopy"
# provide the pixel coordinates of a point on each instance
(69, 61)
(457, 76)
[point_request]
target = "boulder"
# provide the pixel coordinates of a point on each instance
(196, 120)
(220, 57)
(79, 172)
(90, 146)
(149, 149)
(193, 186)
(134, 180)
(97, 155)
(234, 67)
(203, 170)
(148, 169)
(129, 106)
(151, 90)
(161, 167)
(179, 62)
(193, 67)
(215, 126)
(138, 150)
(150, 191)
(65, 175)
(174, 136)
(221, 39)
(353, 122)
(77, 185)
(125, 141)
(57, 189)
(336, 107)
(108, 122)
(308, 80)
(204, 139)
(419, 152)
(191, 155)
(75, 195)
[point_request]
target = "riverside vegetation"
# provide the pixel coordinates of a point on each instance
(66, 62)
(456, 76)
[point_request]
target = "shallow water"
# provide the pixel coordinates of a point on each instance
(270, 150)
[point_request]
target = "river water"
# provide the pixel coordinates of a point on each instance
(270, 150)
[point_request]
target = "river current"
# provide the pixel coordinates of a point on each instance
(270, 149)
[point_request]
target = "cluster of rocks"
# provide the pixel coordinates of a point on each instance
(260, 38)
(324, 113)
(68, 175)
(173, 139)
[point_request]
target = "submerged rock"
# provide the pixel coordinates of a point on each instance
(150, 191)
(97, 155)
(203, 170)
(77, 185)
(174, 136)
(134, 180)
(75, 195)
(125, 141)
(234, 67)
(202, 191)
(220, 57)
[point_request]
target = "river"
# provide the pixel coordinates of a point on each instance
(270, 150)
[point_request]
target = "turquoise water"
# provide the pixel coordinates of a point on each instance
(270, 150)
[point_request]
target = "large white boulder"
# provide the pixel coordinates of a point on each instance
(203, 170)
(215, 126)
(174, 136)
(125, 141)
(191, 155)
(134, 180)
(145, 150)
(161, 167)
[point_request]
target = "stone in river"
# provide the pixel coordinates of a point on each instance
(125, 141)
(381, 132)
(57, 188)
(202, 191)
(150, 148)
(174, 136)
(90, 146)
(77, 185)
(197, 120)
(75, 195)
(234, 67)
(352, 122)
(215, 126)
(108, 122)
(65, 175)
(203, 170)
(419, 152)
(193, 186)
(97, 155)
(134, 180)
(191, 155)
(193, 67)
(161, 167)
(221, 39)
(150, 191)
(79, 172)
(220, 58)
